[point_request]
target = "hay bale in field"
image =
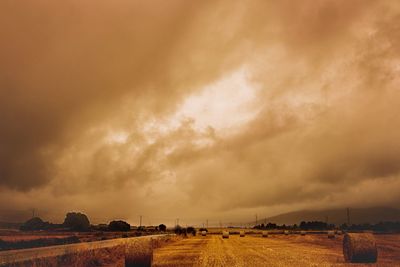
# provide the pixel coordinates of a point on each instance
(302, 232)
(242, 233)
(339, 232)
(359, 248)
(264, 233)
(286, 232)
(225, 234)
(139, 253)
(331, 234)
(203, 233)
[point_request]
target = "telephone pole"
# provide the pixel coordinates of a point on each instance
(140, 223)
(348, 217)
(256, 219)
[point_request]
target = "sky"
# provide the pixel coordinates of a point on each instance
(198, 110)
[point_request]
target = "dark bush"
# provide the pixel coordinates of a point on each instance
(34, 224)
(77, 221)
(191, 230)
(180, 231)
(162, 227)
(119, 226)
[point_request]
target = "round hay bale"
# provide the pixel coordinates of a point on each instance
(359, 248)
(286, 232)
(331, 234)
(302, 232)
(203, 233)
(225, 234)
(242, 233)
(265, 234)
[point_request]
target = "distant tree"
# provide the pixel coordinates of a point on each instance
(119, 226)
(162, 228)
(191, 230)
(34, 224)
(77, 221)
(315, 225)
(271, 226)
(178, 230)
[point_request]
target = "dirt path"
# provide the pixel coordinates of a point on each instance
(255, 251)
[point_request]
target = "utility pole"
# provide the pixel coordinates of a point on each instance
(348, 217)
(33, 213)
(256, 219)
(140, 223)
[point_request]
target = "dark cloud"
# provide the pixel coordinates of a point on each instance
(89, 94)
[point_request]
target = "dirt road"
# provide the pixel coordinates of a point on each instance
(315, 250)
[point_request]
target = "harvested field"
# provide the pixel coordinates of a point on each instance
(279, 250)
(101, 253)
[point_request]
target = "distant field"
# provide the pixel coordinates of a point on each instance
(276, 250)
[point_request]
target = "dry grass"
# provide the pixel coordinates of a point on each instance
(279, 250)
(114, 256)
(104, 253)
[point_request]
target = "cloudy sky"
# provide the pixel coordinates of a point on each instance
(197, 110)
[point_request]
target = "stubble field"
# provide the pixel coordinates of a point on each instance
(275, 250)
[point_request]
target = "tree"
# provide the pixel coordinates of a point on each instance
(191, 230)
(119, 226)
(33, 224)
(162, 227)
(180, 231)
(77, 221)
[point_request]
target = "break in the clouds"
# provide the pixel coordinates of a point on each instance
(208, 109)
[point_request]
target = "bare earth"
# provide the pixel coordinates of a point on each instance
(275, 250)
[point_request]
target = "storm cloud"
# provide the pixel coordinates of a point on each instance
(197, 110)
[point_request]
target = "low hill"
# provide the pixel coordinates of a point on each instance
(339, 216)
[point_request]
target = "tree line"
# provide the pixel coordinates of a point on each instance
(319, 225)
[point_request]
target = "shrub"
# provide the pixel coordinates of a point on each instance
(191, 230)
(162, 227)
(119, 226)
(34, 224)
(180, 231)
(77, 221)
